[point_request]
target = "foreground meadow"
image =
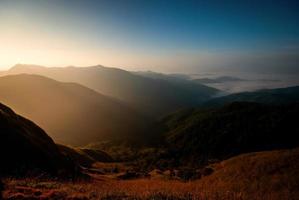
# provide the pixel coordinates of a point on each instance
(131, 190)
(116, 190)
(272, 175)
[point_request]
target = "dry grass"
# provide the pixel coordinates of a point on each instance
(133, 190)
(268, 176)
(112, 189)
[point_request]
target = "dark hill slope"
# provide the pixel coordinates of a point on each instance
(199, 135)
(267, 96)
(153, 96)
(84, 157)
(71, 113)
(24, 147)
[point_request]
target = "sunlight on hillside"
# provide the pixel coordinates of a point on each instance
(149, 100)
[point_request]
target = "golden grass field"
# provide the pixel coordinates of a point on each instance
(130, 189)
(267, 175)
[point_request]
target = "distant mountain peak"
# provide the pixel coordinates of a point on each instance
(25, 67)
(153, 95)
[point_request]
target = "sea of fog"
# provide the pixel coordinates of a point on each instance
(249, 81)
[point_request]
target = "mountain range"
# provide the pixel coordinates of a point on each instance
(71, 113)
(150, 95)
(196, 137)
(266, 96)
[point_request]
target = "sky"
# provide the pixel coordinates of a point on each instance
(173, 36)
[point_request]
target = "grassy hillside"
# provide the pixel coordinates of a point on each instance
(71, 113)
(267, 96)
(154, 96)
(271, 175)
(199, 136)
(24, 147)
(84, 157)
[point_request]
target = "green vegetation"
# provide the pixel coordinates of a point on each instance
(197, 137)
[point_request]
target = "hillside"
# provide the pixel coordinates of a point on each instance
(154, 96)
(84, 157)
(26, 148)
(267, 96)
(71, 113)
(270, 175)
(199, 136)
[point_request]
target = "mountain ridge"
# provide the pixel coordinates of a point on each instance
(67, 110)
(151, 96)
(266, 96)
(26, 148)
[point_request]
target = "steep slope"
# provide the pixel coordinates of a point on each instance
(153, 96)
(71, 113)
(262, 175)
(24, 147)
(197, 136)
(267, 96)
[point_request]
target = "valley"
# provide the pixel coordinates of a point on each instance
(244, 144)
(149, 100)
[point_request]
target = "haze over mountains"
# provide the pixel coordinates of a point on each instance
(267, 96)
(112, 124)
(149, 100)
(153, 96)
(25, 147)
(69, 112)
(235, 82)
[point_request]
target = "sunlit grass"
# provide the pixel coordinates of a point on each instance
(269, 175)
(132, 189)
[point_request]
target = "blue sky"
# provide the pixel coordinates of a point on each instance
(170, 36)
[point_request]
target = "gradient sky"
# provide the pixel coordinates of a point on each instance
(166, 35)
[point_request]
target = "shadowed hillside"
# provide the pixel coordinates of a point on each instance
(71, 113)
(195, 137)
(24, 147)
(154, 96)
(267, 96)
(198, 136)
(84, 157)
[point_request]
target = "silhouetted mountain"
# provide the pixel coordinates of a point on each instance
(197, 136)
(26, 148)
(71, 113)
(267, 96)
(152, 96)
